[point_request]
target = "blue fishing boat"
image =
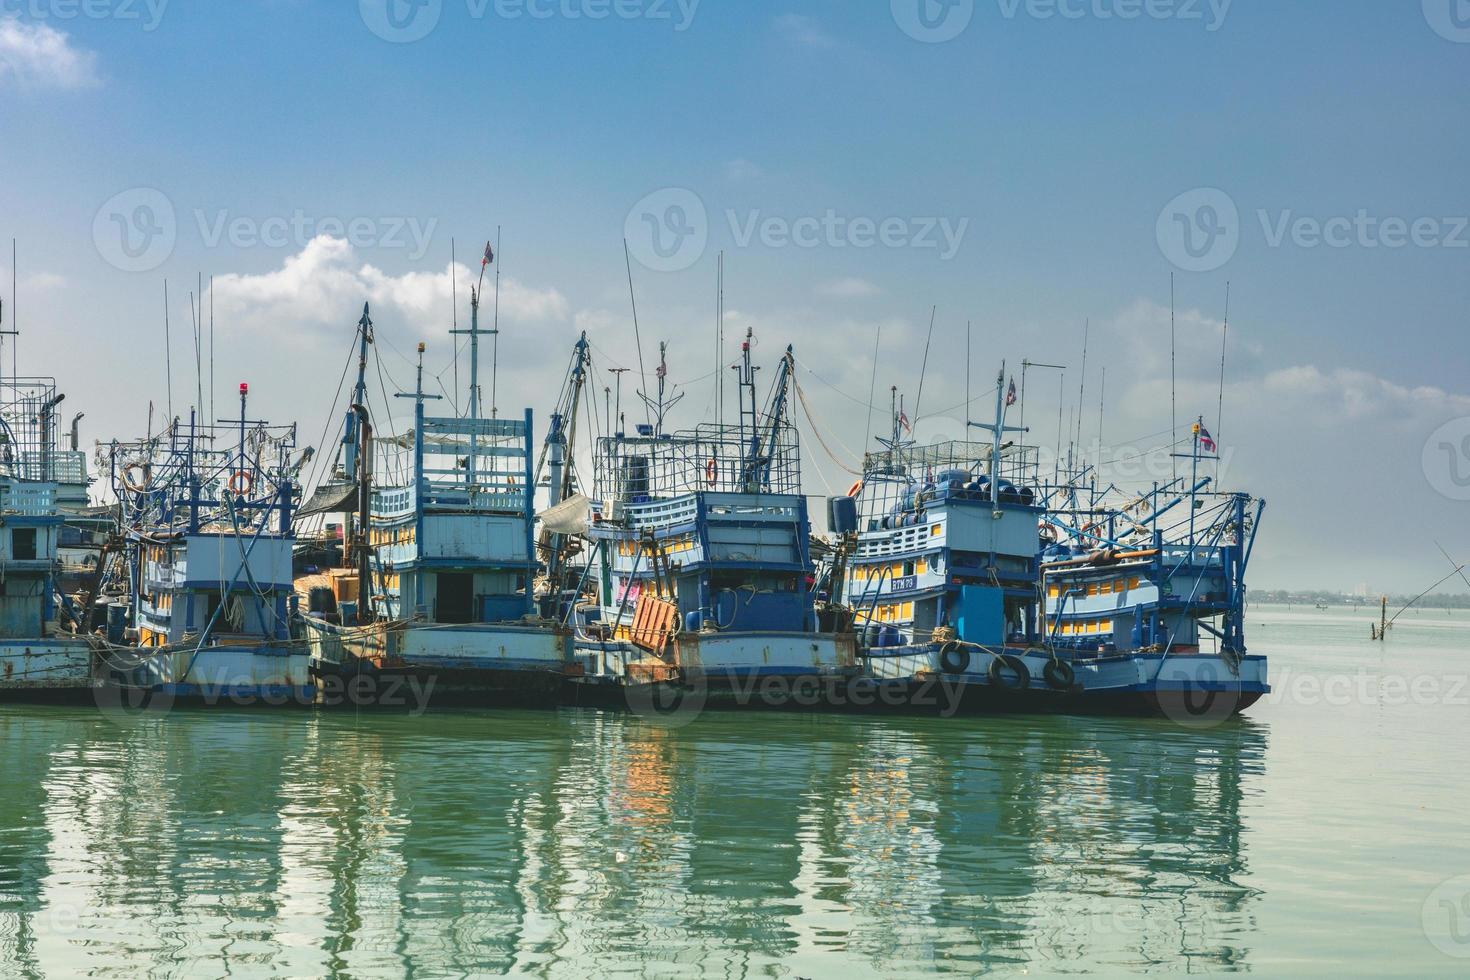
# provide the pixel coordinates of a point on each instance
(960, 565)
(440, 562)
(41, 655)
(205, 516)
(700, 560)
(1145, 593)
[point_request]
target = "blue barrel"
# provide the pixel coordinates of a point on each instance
(693, 621)
(117, 622)
(842, 515)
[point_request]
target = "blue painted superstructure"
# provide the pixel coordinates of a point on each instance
(205, 513)
(444, 553)
(700, 559)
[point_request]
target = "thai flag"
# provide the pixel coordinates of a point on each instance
(1011, 394)
(489, 255)
(903, 420)
(1206, 440)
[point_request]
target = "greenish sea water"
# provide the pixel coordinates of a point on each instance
(1328, 833)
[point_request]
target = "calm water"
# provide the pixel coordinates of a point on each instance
(1323, 835)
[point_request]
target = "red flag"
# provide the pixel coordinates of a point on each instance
(1206, 440)
(903, 420)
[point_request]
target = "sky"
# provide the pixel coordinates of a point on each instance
(1042, 170)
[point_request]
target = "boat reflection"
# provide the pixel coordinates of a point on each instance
(577, 842)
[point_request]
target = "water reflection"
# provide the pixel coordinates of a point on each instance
(576, 842)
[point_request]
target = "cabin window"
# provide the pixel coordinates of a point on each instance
(937, 530)
(23, 544)
(908, 568)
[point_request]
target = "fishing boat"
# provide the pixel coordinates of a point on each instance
(961, 565)
(1145, 593)
(41, 655)
(938, 559)
(205, 519)
(439, 583)
(699, 559)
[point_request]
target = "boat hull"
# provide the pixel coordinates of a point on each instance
(475, 661)
(34, 670)
(242, 675)
(1188, 687)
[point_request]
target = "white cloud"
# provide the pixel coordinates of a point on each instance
(39, 56)
(323, 286)
(850, 288)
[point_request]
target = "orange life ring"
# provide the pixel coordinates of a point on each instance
(241, 483)
(712, 471)
(856, 489)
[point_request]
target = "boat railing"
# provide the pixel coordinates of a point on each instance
(28, 499)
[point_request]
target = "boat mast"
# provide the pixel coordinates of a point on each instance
(997, 432)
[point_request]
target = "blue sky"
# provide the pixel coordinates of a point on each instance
(1047, 139)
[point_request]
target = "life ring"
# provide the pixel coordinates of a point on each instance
(1059, 675)
(953, 658)
(712, 471)
(1009, 672)
(241, 483)
(856, 489)
(138, 486)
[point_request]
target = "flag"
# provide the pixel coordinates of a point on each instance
(1205, 439)
(489, 255)
(903, 420)
(1011, 394)
(663, 371)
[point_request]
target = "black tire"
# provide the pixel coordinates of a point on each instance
(1059, 675)
(1009, 672)
(953, 658)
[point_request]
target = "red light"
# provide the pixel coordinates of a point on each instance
(244, 388)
